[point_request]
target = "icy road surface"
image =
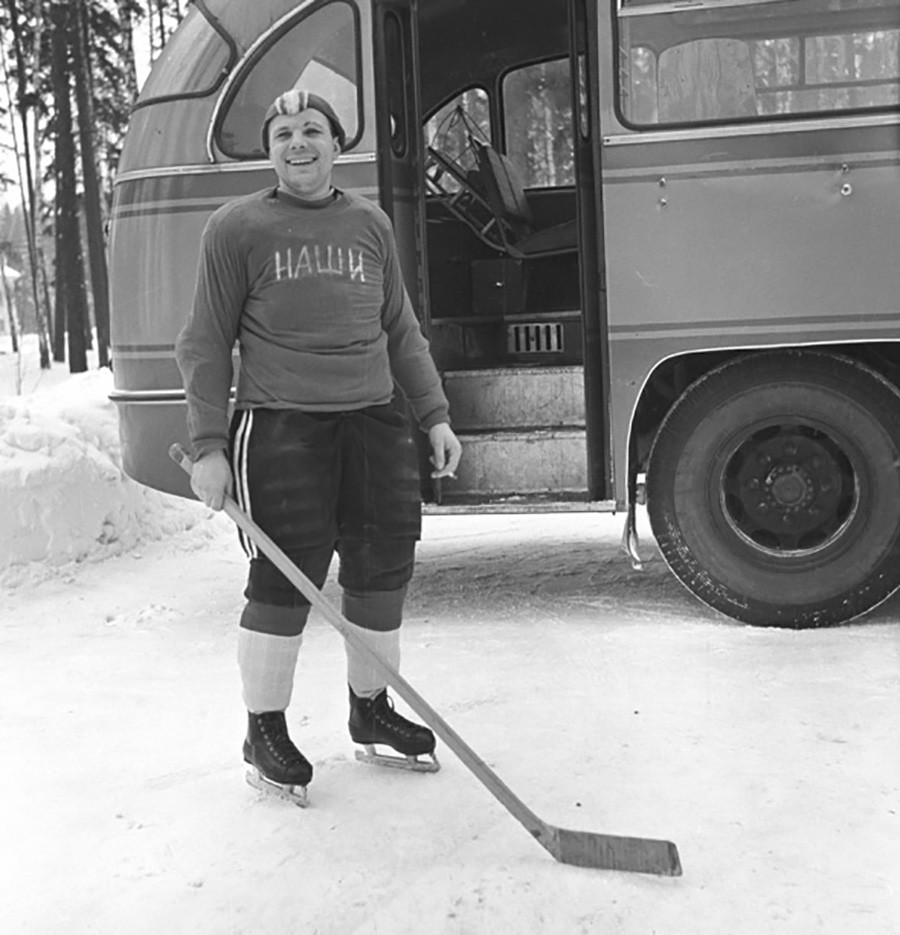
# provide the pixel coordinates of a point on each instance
(608, 699)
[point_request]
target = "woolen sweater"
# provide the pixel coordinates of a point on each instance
(315, 299)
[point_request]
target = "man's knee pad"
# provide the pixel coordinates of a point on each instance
(267, 585)
(376, 565)
(274, 620)
(375, 610)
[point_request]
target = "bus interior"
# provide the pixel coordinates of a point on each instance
(504, 291)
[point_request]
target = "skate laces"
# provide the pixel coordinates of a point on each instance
(273, 732)
(383, 711)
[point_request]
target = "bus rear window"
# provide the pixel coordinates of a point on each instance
(318, 53)
(744, 61)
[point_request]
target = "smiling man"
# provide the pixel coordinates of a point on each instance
(303, 141)
(306, 279)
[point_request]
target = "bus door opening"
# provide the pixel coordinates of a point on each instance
(503, 241)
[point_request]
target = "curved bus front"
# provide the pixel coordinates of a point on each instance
(174, 174)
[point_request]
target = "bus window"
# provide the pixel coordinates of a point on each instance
(193, 62)
(707, 79)
(537, 107)
(747, 61)
(397, 103)
(637, 88)
(318, 53)
(857, 70)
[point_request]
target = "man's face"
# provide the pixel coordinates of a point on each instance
(302, 150)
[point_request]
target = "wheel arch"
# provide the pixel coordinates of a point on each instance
(671, 377)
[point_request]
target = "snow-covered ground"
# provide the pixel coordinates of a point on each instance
(606, 698)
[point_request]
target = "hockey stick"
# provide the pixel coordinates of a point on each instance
(580, 848)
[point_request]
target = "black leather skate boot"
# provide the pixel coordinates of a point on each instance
(269, 749)
(374, 720)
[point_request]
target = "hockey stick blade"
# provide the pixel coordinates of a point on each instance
(578, 848)
(611, 852)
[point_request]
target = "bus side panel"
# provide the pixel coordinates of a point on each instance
(750, 251)
(166, 135)
(147, 430)
(157, 224)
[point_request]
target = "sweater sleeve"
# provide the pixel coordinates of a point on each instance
(411, 362)
(204, 347)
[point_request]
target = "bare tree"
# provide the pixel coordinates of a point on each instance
(26, 155)
(126, 25)
(158, 31)
(93, 214)
(9, 300)
(71, 300)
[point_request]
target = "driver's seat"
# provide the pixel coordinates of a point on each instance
(515, 222)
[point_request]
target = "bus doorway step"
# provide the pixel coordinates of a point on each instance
(551, 502)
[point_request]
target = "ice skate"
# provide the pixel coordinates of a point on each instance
(276, 765)
(374, 721)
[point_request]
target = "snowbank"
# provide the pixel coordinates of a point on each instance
(63, 495)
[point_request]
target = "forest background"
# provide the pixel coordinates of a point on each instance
(70, 72)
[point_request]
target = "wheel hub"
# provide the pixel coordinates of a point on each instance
(788, 488)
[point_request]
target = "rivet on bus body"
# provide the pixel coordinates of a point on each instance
(662, 202)
(846, 189)
(662, 182)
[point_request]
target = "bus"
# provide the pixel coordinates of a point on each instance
(653, 245)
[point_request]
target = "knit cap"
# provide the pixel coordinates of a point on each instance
(295, 101)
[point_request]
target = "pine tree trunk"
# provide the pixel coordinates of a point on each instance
(24, 103)
(129, 70)
(36, 53)
(70, 293)
(160, 10)
(10, 305)
(93, 214)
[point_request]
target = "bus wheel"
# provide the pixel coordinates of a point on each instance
(773, 489)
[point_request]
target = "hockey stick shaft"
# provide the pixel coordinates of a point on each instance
(581, 848)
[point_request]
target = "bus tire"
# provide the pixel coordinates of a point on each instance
(773, 489)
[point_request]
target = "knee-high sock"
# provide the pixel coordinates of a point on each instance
(267, 660)
(375, 618)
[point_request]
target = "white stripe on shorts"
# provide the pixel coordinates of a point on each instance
(239, 469)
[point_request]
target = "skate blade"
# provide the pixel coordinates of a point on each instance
(410, 763)
(294, 794)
